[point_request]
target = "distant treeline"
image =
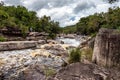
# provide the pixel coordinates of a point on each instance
(91, 24)
(23, 19)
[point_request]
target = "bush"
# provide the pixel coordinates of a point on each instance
(2, 39)
(93, 34)
(52, 36)
(24, 30)
(75, 56)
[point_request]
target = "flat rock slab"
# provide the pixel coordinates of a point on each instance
(17, 45)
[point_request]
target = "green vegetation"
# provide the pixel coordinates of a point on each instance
(91, 24)
(23, 19)
(112, 1)
(75, 56)
(69, 29)
(2, 39)
(87, 54)
(49, 72)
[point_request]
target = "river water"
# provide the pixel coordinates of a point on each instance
(69, 41)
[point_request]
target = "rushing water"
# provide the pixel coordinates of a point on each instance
(71, 42)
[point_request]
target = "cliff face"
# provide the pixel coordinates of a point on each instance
(107, 48)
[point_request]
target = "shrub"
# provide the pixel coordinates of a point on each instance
(24, 30)
(52, 36)
(2, 39)
(93, 34)
(75, 56)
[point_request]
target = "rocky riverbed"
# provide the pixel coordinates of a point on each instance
(50, 55)
(44, 61)
(47, 55)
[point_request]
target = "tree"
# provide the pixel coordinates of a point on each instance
(1, 3)
(19, 17)
(112, 1)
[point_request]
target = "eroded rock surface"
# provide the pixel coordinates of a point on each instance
(16, 65)
(16, 45)
(80, 71)
(107, 48)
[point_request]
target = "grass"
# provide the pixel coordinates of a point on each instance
(87, 54)
(49, 72)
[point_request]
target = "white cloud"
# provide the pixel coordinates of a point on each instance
(67, 12)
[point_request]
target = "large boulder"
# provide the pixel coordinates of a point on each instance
(81, 71)
(33, 72)
(107, 48)
(56, 49)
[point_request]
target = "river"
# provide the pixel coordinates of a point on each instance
(70, 41)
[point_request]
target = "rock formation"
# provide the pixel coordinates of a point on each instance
(80, 71)
(107, 48)
(16, 45)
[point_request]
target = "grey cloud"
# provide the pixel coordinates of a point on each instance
(12, 2)
(60, 3)
(83, 6)
(39, 4)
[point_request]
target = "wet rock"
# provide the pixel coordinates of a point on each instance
(72, 36)
(51, 42)
(61, 42)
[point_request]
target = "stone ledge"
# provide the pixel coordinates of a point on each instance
(17, 45)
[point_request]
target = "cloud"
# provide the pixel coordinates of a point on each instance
(36, 4)
(84, 5)
(67, 12)
(11, 2)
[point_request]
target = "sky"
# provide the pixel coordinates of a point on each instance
(67, 12)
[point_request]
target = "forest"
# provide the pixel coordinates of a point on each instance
(91, 24)
(21, 18)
